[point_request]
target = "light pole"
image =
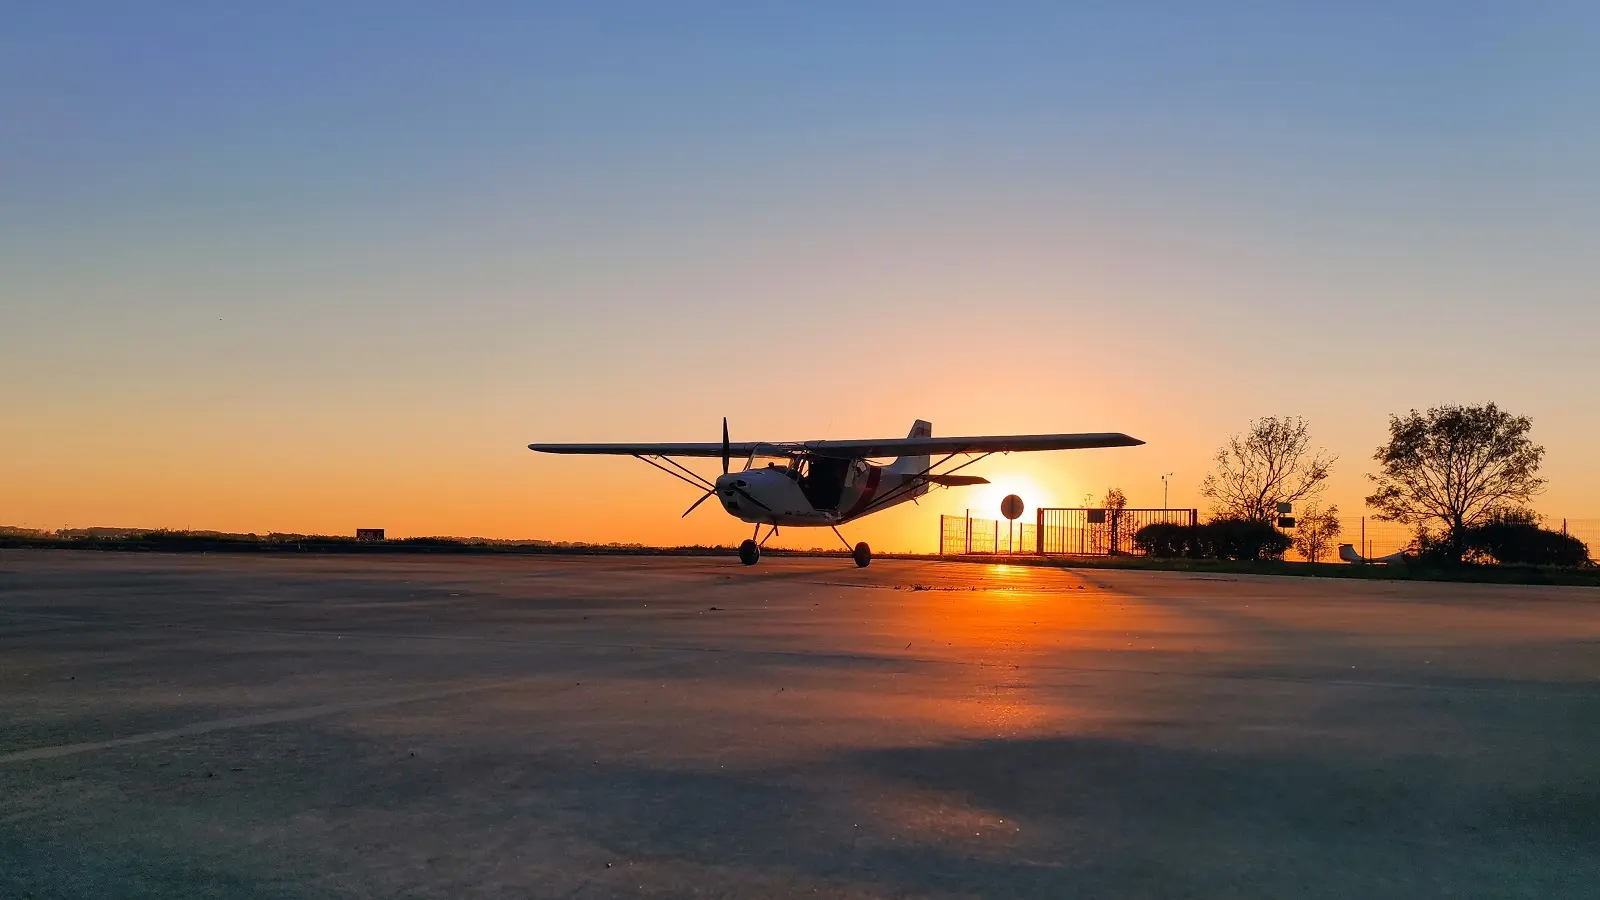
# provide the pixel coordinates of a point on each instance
(1164, 490)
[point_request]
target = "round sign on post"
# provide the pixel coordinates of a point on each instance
(1011, 506)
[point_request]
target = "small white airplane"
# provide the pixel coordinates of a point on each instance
(1347, 552)
(829, 483)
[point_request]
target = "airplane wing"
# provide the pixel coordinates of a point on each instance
(864, 449)
(710, 450)
(929, 446)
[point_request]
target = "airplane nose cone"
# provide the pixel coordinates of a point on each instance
(727, 492)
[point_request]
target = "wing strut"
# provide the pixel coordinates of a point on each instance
(911, 484)
(690, 476)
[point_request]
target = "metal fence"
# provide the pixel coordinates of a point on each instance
(1586, 530)
(1100, 532)
(1373, 538)
(1076, 532)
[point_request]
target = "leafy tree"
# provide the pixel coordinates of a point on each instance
(1315, 530)
(1269, 464)
(1455, 467)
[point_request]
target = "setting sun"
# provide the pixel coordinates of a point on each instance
(984, 501)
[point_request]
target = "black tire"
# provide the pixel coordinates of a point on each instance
(749, 553)
(863, 555)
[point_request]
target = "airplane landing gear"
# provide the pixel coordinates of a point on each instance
(750, 551)
(862, 554)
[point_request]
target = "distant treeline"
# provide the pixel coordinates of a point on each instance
(214, 541)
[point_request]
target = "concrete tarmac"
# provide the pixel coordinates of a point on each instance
(589, 727)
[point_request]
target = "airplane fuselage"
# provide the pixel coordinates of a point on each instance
(815, 491)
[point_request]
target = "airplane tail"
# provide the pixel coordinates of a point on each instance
(914, 465)
(1347, 552)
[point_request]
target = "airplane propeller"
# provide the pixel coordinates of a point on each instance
(693, 506)
(725, 462)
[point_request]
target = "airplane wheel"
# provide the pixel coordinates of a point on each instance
(749, 553)
(863, 555)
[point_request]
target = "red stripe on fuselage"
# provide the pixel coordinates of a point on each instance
(867, 494)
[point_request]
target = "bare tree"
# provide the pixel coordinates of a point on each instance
(1456, 466)
(1269, 464)
(1104, 529)
(1115, 502)
(1315, 530)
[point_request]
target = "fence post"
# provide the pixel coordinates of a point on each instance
(1038, 532)
(1364, 538)
(1563, 527)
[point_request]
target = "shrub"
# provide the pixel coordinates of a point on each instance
(1217, 539)
(1165, 540)
(1519, 542)
(1242, 539)
(1433, 551)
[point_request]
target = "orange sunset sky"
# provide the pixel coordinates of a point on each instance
(258, 277)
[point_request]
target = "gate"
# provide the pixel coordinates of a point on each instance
(964, 535)
(1102, 532)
